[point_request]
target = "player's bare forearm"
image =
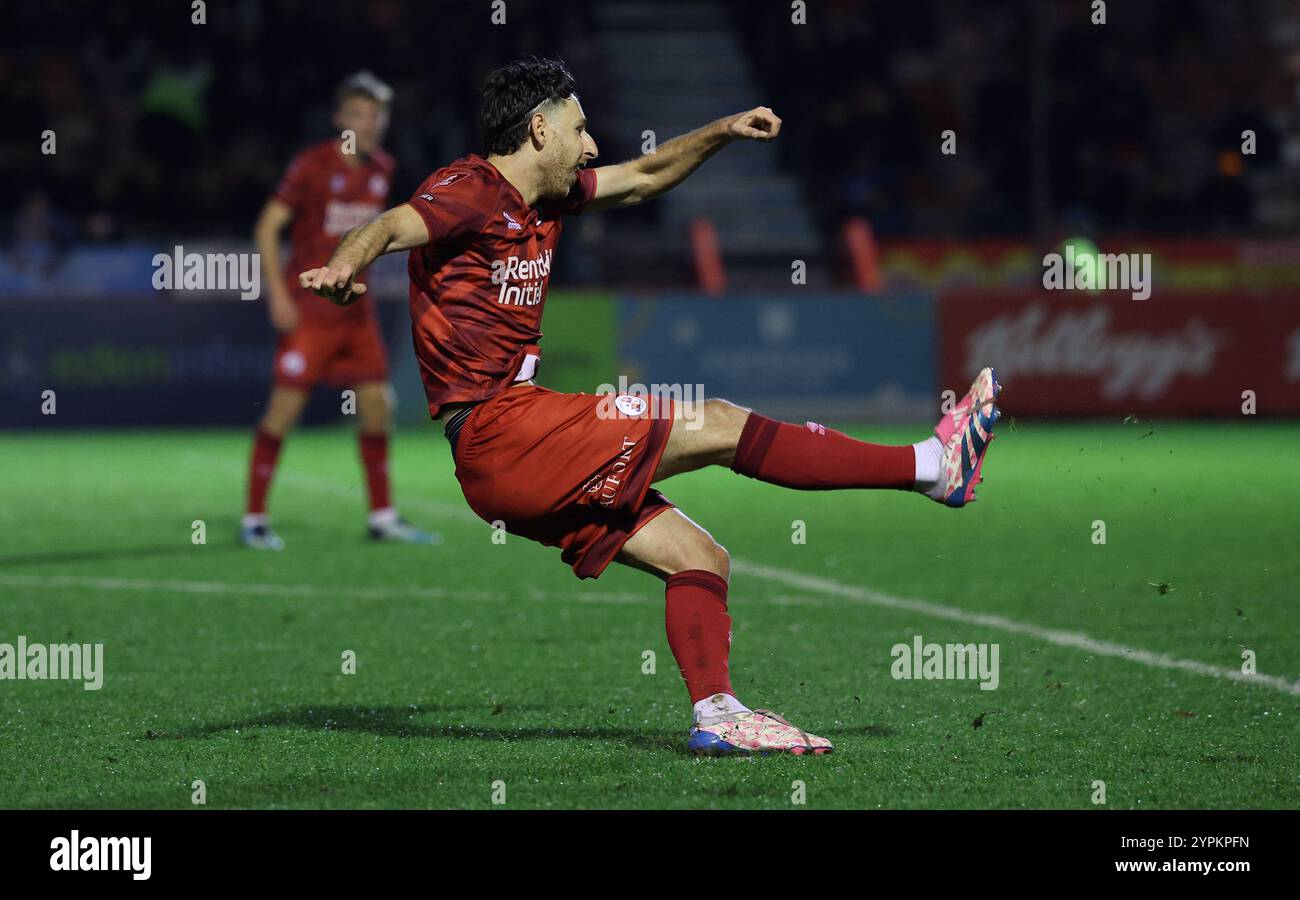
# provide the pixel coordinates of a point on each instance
(266, 237)
(672, 162)
(361, 246)
(268, 250)
(401, 228)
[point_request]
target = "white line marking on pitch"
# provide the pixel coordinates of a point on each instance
(796, 580)
(813, 583)
(232, 587)
(177, 586)
(1073, 639)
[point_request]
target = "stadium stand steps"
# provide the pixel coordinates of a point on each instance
(676, 66)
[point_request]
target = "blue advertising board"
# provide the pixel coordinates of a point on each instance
(152, 362)
(832, 355)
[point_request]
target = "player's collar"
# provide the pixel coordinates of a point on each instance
(362, 160)
(511, 191)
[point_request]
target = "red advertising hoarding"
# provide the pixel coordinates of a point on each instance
(1106, 353)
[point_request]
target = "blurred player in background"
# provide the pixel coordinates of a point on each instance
(329, 189)
(575, 470)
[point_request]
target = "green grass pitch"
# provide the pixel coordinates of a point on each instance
(481, 664)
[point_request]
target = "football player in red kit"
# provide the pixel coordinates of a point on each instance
(575, 471)
(328, 189)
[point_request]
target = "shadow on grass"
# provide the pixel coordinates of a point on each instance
(407, 722)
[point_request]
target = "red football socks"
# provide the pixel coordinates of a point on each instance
(815, 458)
(374, 457)
(699, 631)
(266, 450)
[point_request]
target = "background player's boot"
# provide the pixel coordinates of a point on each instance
(758, 731)
(260, 537)
(402, 531)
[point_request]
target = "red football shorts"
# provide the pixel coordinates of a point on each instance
(566, 470)
(339, 353)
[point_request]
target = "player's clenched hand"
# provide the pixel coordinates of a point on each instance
(334, 284)
(758, 124)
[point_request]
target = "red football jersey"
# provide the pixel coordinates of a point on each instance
(329, 197)
(479, 285)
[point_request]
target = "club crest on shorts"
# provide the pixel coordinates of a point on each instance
(630, 405)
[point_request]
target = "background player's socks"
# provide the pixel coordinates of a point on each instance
(386, 525)
(929, 467)
(266, 450)
(382, 518)
(699, 631)
(813, 457)
(374, 457)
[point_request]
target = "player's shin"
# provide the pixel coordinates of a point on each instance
(699, 633)
(261, 469)
(812, 457)
(374, 459)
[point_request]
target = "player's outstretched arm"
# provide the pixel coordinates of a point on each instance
(401, 228)
(266, 235)
(638, 180)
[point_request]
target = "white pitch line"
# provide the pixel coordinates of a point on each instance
(816, 584)
(1073, 639)
(177, 586)
(796, 580)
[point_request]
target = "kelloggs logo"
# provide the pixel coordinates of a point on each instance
(1081, 344)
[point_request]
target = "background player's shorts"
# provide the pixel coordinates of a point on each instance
(566, 470)
(338, 353)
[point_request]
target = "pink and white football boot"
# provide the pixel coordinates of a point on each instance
(966, 434)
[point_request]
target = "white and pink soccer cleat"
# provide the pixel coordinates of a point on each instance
(966, 434)
(758, 731)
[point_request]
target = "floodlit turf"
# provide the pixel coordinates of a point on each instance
(480, 663)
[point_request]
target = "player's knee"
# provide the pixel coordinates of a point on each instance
(375, 421)
(710, 556)
(725, 420)
(724, 410)
(722, 562)
(375, 408)
(722, 423)
(282, 413)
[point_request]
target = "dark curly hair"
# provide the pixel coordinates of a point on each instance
(513, 91)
